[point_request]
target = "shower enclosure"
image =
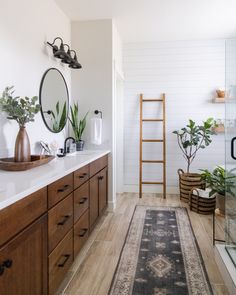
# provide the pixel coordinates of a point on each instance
(230, 139)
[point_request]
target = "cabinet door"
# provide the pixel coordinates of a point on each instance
(93, 202)
(23, 262)
(102, 186)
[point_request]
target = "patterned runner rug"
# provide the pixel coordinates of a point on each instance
(160, 256)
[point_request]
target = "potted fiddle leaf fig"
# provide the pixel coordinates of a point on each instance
(221, 182)
(78, 126)
(22, 110)
(191, 139)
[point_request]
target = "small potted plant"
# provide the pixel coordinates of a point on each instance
(191, 139)
(22, 110)
(77, 126)
(221, 182)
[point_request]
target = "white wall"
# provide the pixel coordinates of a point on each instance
(25, 26)
(92, 87)
(189, 73)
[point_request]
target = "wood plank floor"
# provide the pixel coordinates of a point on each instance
(93, 269)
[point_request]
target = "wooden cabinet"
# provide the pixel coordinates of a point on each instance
(60, 221)
(102, 190)
(60, 260)
(93, 200)
(98, 195)
(41, 234)
(23, 261)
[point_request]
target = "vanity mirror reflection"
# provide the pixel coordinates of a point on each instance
(54, 100)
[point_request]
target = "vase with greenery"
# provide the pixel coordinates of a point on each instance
(22, 110)
(78, 126)
(221, 182)
(191, 139)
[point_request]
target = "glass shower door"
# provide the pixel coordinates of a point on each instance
(230, 139)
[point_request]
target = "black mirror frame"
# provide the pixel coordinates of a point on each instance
(40, 98)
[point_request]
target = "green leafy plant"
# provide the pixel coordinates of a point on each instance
(219, 180)
(20, 109)
(193, 138)
(58, 120)
(77, 126)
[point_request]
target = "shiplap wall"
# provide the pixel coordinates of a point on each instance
(189, 73)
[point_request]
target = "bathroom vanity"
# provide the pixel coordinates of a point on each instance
(46, 216)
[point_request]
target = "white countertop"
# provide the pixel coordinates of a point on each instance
(14, 186)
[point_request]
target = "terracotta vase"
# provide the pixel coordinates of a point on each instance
(22, 146)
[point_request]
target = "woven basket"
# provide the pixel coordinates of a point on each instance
(201, 205)
(187, 181)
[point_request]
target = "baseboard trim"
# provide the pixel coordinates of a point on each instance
(111, 206)
(129, 188)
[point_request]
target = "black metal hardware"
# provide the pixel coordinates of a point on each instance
(98, 112)
(83, 200)
(6, 264)
(66, 217)
(83, 232)
(67, 256)
(65, 142)
(59, 52)
(65, 187)
(232, 148)
(100, 177)
(83, 175)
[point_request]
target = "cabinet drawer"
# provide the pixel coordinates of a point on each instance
(20, 214)
(81, 176)
(81, 200)
(59, 262)
(59, 189)
(60, 221)
(98, 165)
(81, 232)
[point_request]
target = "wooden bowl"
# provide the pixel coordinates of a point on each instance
(9, 164)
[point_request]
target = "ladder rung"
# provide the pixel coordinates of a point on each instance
(152, 140)
(152, 120)
(152, 182)
(151, 100)
(153, 161)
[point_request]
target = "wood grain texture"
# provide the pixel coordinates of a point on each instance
(16, 217)
(81, 232)
(59, 262)
(60, 221)
(81, 176)
(28, 253)
(81, 200)
(59, 189)
(98, 165)
(94, 267)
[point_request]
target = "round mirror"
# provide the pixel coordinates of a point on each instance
(54, 100)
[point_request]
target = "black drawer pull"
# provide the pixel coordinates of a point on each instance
(67, 256)
(83, 200)
(6, 264)
(66, 217)
(83, 232)
(65, 187)
(100, 177)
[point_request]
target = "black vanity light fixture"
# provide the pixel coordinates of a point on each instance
(65, 56)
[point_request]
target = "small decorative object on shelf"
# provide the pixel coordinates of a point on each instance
(220, 96)
(77, 126)
(22, 110)
(191, 139)
(220, 126)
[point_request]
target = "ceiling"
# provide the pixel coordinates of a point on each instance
(159, 20)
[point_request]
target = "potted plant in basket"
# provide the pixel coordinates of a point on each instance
(22, 110)
(191, 139)
(77, 126)
(221, 182)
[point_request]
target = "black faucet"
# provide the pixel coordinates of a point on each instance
(67, 150)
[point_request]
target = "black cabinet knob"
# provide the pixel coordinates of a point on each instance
(100, 177)
(7, 263)
(66, 217)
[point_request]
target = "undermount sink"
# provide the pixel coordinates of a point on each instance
(81, 153)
